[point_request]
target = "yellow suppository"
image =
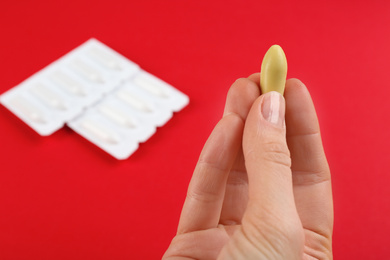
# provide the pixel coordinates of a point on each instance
(273, 70)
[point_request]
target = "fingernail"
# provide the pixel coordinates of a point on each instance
(273, 108)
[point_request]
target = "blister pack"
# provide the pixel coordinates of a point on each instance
(60, 91)
(130, 114)
(99, 93)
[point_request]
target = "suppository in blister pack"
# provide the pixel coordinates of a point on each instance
(129, 115)
(60, 91)
(100, 94)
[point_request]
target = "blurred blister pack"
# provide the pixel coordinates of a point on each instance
(100, 94)
(130, 114)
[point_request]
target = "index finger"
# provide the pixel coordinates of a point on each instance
(202, 207)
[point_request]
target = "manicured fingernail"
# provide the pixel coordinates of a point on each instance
(273, 108)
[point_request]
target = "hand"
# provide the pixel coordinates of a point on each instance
(261, 188)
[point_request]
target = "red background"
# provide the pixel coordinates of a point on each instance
(63, 198)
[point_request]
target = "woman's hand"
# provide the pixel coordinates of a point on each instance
(261, 188)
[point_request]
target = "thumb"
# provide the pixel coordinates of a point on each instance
(267, 158)
(271, 221)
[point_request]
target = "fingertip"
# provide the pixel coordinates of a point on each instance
(240, 97)
(301, 116)
(227, 132)
(267, 110)
(295, 86)
(295, 80)
(255, 77)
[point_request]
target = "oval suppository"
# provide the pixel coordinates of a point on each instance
(273, 70)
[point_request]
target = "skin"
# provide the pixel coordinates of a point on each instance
(259, 190)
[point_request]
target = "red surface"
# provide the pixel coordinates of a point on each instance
(63, 198)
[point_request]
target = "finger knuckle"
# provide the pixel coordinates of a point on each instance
(276, 152)
(204, 194)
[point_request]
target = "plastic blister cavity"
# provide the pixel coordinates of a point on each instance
(100, 94)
